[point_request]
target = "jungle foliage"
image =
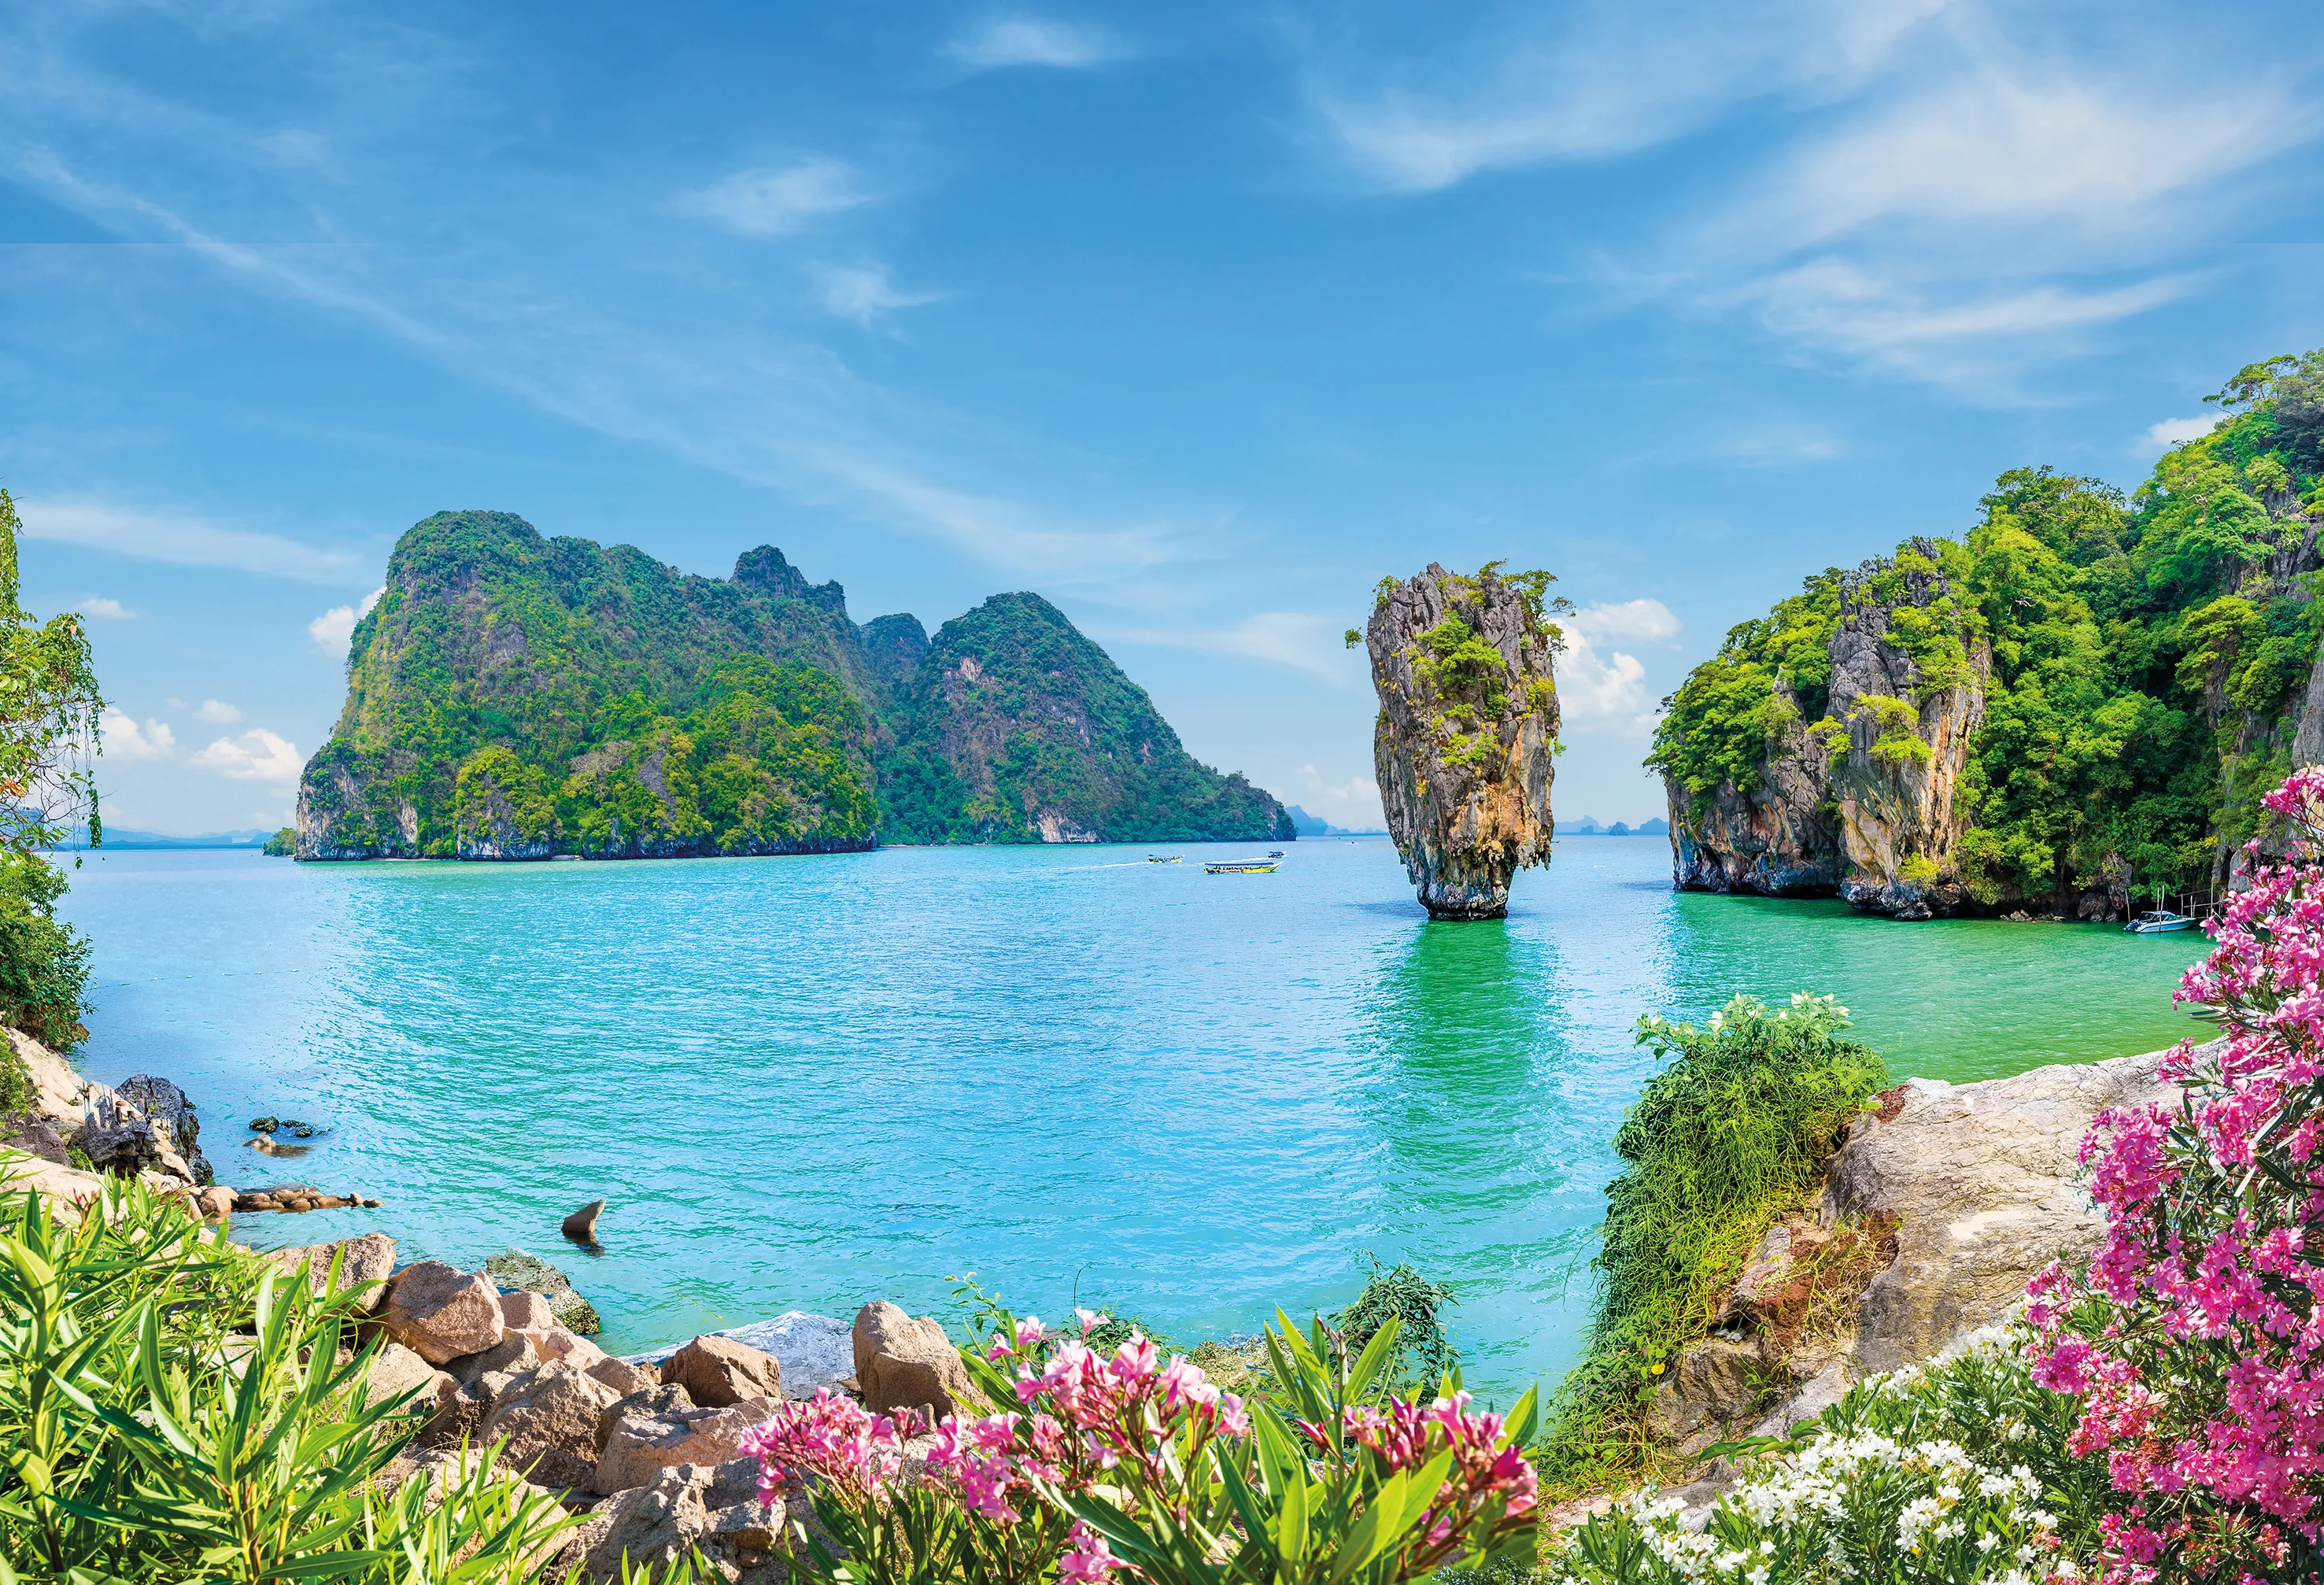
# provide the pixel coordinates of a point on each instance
(2148, 655)
(537, 695)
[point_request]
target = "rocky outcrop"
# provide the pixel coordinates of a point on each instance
(362, 1263)
(1467, 730)
(641, 1444)
(514, 1269)
(710, 1510)
(903, 1363)
(1861, 803)
(440, 1312)
(1969, 1189)
(718, 1371)
(547, 1418)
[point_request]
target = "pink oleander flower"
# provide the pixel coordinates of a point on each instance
(2194, 1339)
(1088, 1560)
(826, 1439)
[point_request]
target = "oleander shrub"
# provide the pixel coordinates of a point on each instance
(173, 1409)
(1082, 1466)
(1732, 1133)
(2194, 1340)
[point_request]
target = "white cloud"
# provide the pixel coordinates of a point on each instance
(1610, 690)
(1297, 639)
(104, 609)
(1024, 40)
(862, 292)
(1626, 619)
(1353, 803)
(121, 735)
(183, 542)
(2161, 437)
(257, 755)
(218, 711)
(777, 201)
(335, 628)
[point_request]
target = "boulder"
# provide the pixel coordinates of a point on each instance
(1717, 1385)
(903, 1363)
(581, 1227)
(441, 1314)
(640, 1446)
(712, 1509)
(1985, 1186)
(512, 1356)
(549, 1418)
(460, 1411)
(366, 1260)
(214, 1203)
(525, 1311)
(716, 1371)
(624, 1377)
(168, 1107)
(295, 1197)
(397, 1373)
(513, 1269)
(557, 1343)
(34, 1136)
(119, 1139)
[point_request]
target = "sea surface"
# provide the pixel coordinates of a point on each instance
(806, 1084)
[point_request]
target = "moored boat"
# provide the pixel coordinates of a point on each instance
(1242, 867)
(2156, 921)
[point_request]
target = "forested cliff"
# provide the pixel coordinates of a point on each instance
(2072, 709)
(512, 697)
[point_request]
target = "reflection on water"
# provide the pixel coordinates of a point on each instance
(806, 1084)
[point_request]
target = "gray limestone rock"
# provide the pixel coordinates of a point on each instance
(1467, 730)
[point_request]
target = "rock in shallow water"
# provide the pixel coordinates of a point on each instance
(1467, 729)
(514, 1269)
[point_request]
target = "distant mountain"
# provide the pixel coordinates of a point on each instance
(1308, 825)
(122, 836)
(1586, 826)
(512, 697)
(1657, 826)
(1581, 825)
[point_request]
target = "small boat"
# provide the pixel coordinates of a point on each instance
(1275, 853)
(1242, 867)
(1161, 858)
(2156, 921)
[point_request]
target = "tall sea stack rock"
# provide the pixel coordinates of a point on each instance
(1468, 725)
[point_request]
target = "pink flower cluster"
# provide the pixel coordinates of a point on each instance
(2195, 1339)
(1406, 1435)
(1125, 1407)
(833, 1439)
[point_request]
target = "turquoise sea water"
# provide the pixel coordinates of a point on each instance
(804, 1083)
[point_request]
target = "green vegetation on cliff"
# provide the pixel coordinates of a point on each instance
(515, 697)
(2148, 655)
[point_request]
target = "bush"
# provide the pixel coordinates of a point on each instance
(1719, 1144)
(1082, 1467)
(1953, 1472)
(43, 964)
(2195, 1340)
(172, 1408)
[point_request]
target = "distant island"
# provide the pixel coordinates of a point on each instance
(1586, 826)
(513, 697)
(1307, 824)
(2073, 710)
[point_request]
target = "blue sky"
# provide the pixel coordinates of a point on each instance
(1196, 320)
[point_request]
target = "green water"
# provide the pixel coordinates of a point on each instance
(807, 1083)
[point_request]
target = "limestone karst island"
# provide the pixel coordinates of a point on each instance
(1071, 795)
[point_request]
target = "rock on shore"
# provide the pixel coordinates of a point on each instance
(1975, 1187)
(1467, 730)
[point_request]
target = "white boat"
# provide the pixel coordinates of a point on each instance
(2156, 921)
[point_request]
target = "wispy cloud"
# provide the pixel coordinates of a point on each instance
(1602, 687)
(105, 609)
(182, 540)
(122, 737)
(862, 292)
(335, 628)
(1623, 619)
(1297, 639)
(999, 41)
(218, 713)
(257, 755)
(777, 201)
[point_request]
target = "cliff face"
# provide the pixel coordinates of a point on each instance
(514, 697)
(1862, 803)
(1467, 730)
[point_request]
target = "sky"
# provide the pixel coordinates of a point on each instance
(1195, 319)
